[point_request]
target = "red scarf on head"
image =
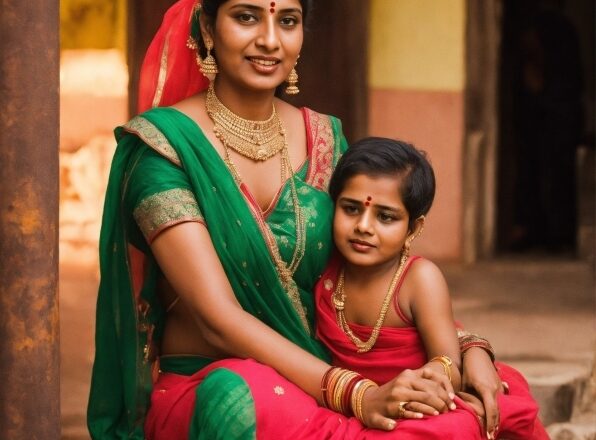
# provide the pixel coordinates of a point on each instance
(170, 72)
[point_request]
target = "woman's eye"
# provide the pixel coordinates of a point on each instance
(246, 18)
(289, 21)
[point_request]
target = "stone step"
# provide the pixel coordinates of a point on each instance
(558, 387)
(572, 431)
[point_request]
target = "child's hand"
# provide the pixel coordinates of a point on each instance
(480, 377)
(411, 395)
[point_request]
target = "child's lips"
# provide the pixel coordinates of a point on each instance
(361, 245)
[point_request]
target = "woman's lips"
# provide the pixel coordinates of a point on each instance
(264, 64)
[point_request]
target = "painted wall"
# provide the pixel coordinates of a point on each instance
(93, 24)
(416, 84)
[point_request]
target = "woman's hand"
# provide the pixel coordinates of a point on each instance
(480, 378)
(412, 394)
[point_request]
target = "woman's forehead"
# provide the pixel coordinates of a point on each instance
(265, 4)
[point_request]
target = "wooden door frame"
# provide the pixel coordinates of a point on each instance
(480, 159)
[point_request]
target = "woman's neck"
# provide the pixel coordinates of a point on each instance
(248, 104)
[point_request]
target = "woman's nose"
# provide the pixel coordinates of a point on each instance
(269, 38)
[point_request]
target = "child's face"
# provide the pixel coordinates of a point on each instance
(370, 225)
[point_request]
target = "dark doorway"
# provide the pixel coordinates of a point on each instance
(543, 96)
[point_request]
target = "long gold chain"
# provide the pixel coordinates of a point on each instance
(257, 140)
(285, 271)
(339, 302)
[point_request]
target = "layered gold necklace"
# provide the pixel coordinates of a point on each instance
(257, 140)
(339, 302)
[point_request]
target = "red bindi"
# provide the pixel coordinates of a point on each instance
(367, 202)
(272, 10)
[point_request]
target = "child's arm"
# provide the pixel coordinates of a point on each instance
(430, 307)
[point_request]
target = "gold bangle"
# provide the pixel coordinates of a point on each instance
(446, 362)
(359, 390)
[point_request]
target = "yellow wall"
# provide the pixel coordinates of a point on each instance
(93, 24)
(417, 44)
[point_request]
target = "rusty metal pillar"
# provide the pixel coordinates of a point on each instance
(29, 118)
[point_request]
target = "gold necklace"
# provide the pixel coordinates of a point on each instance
(257, 140)
(284, 270)
(339, 302)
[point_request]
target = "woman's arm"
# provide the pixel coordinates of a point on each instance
(189, 261)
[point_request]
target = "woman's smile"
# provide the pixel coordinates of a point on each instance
(262, 64)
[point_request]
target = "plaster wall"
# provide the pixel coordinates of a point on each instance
(417, 78)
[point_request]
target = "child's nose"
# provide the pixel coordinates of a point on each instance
(365, 223)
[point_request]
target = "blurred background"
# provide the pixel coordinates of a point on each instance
(500, 93)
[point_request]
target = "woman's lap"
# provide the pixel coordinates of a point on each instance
(243, 399)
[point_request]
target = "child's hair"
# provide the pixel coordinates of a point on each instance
(376, 156)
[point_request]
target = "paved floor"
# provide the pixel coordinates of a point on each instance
(530, 309)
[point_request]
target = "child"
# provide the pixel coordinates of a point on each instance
(381, 311)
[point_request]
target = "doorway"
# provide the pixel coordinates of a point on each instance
(545, 96)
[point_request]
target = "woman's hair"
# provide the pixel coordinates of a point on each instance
(376, 156)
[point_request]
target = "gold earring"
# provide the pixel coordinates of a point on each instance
(208, 65)
(411, 238)
(405, 252)
(292, 88)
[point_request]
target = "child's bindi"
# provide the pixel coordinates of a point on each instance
(272, 9)
(367, 202)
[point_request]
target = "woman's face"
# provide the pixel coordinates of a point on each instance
(257, 42)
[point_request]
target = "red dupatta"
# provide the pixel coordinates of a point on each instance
(170, 72)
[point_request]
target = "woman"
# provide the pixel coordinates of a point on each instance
(207, 262)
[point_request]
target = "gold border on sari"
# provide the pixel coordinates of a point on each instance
(165, 209)
(154, 138)
(323, 142)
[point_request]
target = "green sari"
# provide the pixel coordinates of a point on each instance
(165, 172)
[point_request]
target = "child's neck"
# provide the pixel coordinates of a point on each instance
(363, 275)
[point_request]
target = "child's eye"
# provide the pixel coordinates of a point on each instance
(350, 209)
(386, 218)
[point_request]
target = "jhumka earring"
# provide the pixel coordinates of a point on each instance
(292, 88)
(208, 65)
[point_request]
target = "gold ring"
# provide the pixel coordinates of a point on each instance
(401, 410)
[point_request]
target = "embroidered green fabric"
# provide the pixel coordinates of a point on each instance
(129, 316)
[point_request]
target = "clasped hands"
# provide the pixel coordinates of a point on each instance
(429, 393)
(426, 392)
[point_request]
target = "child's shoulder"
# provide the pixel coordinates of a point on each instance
(424, 275)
